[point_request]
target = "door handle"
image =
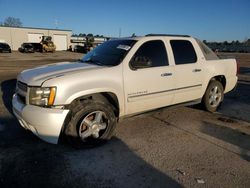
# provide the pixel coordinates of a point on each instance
(166, 74)
(197, 70)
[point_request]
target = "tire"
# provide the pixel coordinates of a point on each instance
(86, 128)
(213, 96)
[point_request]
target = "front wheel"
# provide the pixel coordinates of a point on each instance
(213, 96)
(91, 123)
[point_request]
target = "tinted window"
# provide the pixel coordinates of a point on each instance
(109, 53)
(184, 52)
(207, 52)
(4, 45)
(154, 52)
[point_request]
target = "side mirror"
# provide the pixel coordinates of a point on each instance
(140, 62)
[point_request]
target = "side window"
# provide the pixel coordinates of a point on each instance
(184, 52)
(150, 54)
(207, 52)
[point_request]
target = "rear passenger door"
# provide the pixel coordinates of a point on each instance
(148, 87)
(188, 71)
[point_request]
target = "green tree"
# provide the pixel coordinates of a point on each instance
(90, 35)
(225, 43)
(82, 35)
(247, 42)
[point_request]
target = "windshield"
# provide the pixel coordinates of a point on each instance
(109, 53)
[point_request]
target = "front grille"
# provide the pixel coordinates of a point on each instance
(22, 86)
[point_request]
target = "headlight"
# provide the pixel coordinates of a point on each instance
(42, 96)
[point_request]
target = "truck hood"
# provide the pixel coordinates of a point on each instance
(36, 76)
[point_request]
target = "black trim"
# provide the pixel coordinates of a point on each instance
(176, 89)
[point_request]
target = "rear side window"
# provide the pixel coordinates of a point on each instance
(207, 52)
(153, 51)
(184, 52)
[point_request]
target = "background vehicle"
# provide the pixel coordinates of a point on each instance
(37, 47)
(27, 48)
(83, 101)
(4, 47)
(79, 48)
(47, 44)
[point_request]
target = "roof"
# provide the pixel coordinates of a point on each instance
(165, 35)
(38, 28)
(153, 36)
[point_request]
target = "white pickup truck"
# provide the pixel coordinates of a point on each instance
(82, 101)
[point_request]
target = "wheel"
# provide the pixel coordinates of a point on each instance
(213, 96)
(91, 123)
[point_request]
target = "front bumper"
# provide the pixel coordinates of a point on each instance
(46, 123)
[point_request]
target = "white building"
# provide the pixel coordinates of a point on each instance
(15, 36)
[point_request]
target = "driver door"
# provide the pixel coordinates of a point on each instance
(148, 80)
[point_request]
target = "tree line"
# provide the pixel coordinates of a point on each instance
(87, 35)
(233, 46)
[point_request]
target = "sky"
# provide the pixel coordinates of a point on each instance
(209, 20)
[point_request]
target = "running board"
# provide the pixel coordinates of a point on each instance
(150, 112)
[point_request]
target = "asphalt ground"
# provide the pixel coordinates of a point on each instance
(172, 147)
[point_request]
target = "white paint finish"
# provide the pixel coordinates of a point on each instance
(136, 91)
(46, 123)
(154, 91)
(60, 41)
(188, 82)
(35, 37)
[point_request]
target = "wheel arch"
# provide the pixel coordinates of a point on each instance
(109, 97)
(221, 79)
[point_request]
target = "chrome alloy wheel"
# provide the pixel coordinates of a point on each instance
(92, 124)
(215, 96)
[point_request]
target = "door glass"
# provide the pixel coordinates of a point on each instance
(184, 52)
(150, 54)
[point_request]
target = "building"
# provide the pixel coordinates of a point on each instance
(15, 36)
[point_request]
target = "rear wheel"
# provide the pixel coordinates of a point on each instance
(91, 123)
(213, 96)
